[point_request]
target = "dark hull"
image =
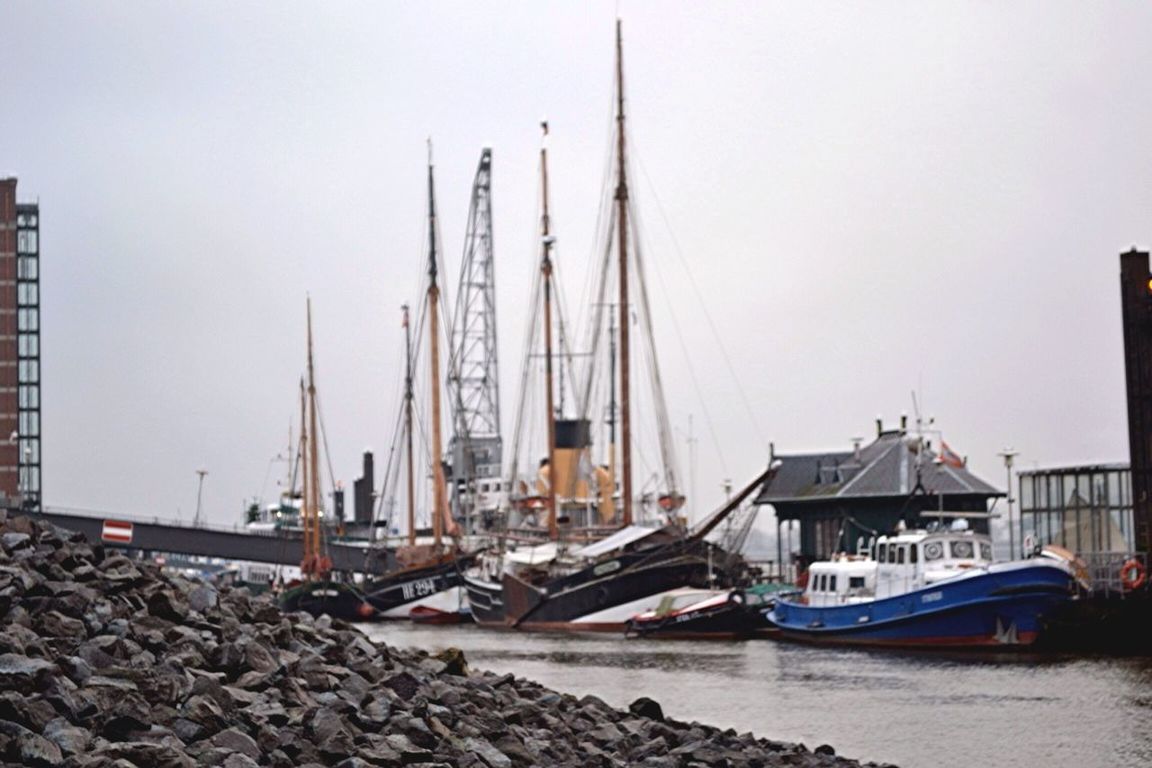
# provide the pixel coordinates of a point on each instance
(486, 599)
(560, 605)
(409, 586)
(731, 621)
(337, 599)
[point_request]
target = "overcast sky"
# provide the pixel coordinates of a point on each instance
(861, 200)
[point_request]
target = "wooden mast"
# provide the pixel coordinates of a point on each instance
(622, 222)
(546, 272)
(438, 494)
(313, 460)
(305, 520)
(408, 428)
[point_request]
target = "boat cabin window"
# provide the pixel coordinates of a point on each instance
(933, 550)
(962, 550)
(856, 582)
(832, 583)
(900, 555)
(892, 553)
(912, 550)
(985, 551)
(881, 552)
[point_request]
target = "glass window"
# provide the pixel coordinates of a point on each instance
(962, 550)
(900, 555)
(933, 550)
(892, 553)
(832, 583)
(912, 550)
(855, 582)
(881, 552)
(985, 551)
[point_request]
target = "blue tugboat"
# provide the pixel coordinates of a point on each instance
(937, 588)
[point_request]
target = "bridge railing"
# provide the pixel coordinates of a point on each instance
(169, 522)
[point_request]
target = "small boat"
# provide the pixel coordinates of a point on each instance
(705, 614)
(426, 614)
(927, 588)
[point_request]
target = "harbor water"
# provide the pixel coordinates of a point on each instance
(916, 710)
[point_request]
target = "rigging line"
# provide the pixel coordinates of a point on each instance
(595, 331)
(525, 394)
(663, 425)
(394, 447)
(703, 306)
(695, 382)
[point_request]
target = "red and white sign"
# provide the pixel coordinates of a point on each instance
(117, 531)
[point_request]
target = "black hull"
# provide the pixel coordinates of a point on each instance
(562, 602)
(337, 599)
(399, 589)
(731, 621)
(487, 602)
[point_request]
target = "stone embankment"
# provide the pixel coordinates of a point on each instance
(106, 661)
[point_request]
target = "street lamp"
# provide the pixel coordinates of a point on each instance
(199, 494)
(1008, 454)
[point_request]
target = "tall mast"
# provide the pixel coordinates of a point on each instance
(408, 428)
(546, 272)
(305, 520)
(438, 495)
(622, 221)
(313, 460)
(612, 401)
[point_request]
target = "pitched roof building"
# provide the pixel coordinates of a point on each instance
(840, 498)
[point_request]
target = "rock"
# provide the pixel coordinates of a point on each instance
(202, 598)
(824, 749)
(15, 541)
(454, 661)
(237, 741)
(70, 739)
(29, 748)
(646, 707)
(19, 672)
(404, 685)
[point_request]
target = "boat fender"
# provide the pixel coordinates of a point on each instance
(1133, 574)
(736, 597)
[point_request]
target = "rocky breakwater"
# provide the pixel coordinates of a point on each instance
(106, 661)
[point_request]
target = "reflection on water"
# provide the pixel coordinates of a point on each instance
(912, 709)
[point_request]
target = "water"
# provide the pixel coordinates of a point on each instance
(914, 710)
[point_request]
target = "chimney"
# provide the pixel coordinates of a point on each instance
(879, 426)
(903, 422)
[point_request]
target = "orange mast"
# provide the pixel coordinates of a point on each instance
(440, 501)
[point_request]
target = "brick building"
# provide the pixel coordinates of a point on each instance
(19, 350)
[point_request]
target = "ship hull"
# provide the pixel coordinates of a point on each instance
(486, 601)
(590, 602)
(992, 609)
(336, 599)
(437, 587)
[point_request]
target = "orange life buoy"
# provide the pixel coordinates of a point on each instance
(1133, 575)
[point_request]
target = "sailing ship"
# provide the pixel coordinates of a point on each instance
(319, 591)
(590, 566)
(427, 577)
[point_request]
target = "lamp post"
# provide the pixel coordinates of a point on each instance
(1008, 454)
(199, 494)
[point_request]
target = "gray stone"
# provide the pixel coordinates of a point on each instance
(492, 756)
(30, 748)
(237, 741)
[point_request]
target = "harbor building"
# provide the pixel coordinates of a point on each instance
(20, 427)
(840, 499)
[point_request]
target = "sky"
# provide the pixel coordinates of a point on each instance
(843, 203)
